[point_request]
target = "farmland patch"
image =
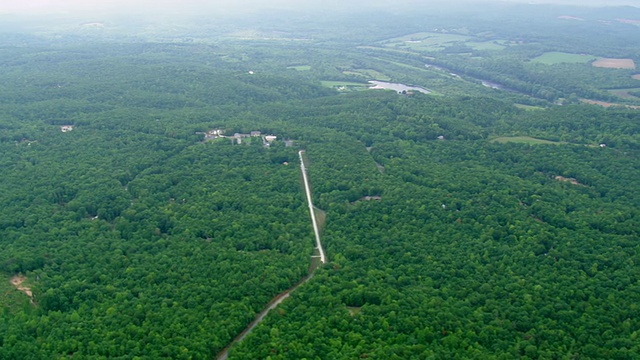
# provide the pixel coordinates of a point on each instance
(554, 57)
(614, 63)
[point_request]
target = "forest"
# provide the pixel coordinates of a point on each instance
(475, 221)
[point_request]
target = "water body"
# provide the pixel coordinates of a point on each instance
(397, 87)
(485, 83)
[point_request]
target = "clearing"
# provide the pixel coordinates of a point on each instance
(636, 76)
(300, 67)
(624, 93)
(486, 45)
(555, 57)
(368, 73)
(614, 63)
(17, 281)
(608, 104)
(569, 180)
(523, 140)
(528, 107)
(343, 84)
(426, 40)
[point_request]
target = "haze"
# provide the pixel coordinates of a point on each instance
(40, 7)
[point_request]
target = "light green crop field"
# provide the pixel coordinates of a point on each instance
(330, 83)
(553, 57)
(368, 73)
(426, 40)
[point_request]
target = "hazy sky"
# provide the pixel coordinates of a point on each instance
(124, 6)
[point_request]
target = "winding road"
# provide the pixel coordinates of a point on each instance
(280, 297)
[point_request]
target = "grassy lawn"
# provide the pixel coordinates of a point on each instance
(551, 58)
(523, 140)
(300, 67)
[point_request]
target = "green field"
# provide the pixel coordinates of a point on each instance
(368, 73)
(426, 40)
(528, 107)
(330, 83)
(523, 140)
(485, 45)
(300, 67)
(553, 57)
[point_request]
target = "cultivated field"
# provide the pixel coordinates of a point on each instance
(426, 41)
(614, 63)
(554, 57)
(370, 74)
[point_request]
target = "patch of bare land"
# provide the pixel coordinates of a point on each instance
(636, 76)
(569, 180)
(608, 104)
(614, 63)
(17, 281)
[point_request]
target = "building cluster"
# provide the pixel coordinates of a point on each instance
(237, 138)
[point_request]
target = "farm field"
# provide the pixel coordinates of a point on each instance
(370, 74)
(555, 57)
(331, 84)
(614, 63)
(426, 41)
(625, 93)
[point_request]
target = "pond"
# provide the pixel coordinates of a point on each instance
(397, 87)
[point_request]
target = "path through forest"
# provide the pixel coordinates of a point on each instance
(280, 297)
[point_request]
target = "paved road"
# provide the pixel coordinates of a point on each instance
(323, 259)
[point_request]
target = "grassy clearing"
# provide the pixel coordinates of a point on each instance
(554, 57)
(523, 140)
(10, 297)
(528, 107)
(624, 93)
(485, 45)
(370, 74)
(329, 83)
(353, 310)
(426, 40)
(300, 67)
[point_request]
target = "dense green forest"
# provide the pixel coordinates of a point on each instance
(469, 222)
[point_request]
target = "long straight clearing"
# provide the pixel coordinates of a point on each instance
(524, 140)
(554, 57)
